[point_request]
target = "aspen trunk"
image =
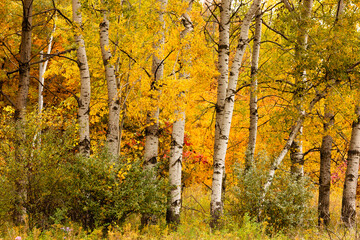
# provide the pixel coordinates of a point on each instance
(177, 142)
(85, 90)
(175, 167)
(325, 167)
(20, 108)
(253, 93)
(296, 150)
(224, 123)
(42, 69)
(152, 129)
(294, 132)
(112, 137)
(348, 209)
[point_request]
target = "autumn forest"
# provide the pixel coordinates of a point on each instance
(179, 119)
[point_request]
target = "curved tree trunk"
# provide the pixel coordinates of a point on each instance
(112, 137)
(85, 91)
(177, 142)
(226, 111)
(250, 151)
(348, 208)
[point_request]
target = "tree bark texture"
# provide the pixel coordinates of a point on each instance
(85, 89)
(20, 106)
(296, 150)
(112, 137)
(249, 160)
(348, 208)
(177, 142)
(152, 129)
(226, 111)
(24, 63)
(325, 167)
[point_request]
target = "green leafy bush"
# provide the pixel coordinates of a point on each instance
(49, 181)
(286, 205)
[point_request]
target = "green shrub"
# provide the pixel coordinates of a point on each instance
(286, 205)
(49, 181)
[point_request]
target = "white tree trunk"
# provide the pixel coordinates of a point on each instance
(177, 142)
(152, 129)
(226, 111)
(253, 92)
(85, 90)
(348, 209)
(112, 137)
(42, 69)
(289, 142)
(296, 150)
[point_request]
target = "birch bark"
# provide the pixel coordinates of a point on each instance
(226, 110)
(296, 150)
(152, 129)
(177, 142)
(348, 208)
(85, 90)
(112, 137)
(253, 92)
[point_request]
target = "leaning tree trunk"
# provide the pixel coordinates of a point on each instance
(325, 167)
(21, 101)
(152, 121)
(250, 151)
(177, 142)
(224, 123)
(348, 209)
(112, 137)
(85, 91)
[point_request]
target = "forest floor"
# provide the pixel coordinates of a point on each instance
(195, 219)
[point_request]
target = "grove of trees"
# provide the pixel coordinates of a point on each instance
(112, 108)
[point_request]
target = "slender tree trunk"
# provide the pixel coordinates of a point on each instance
(85, 90)
(296, 150)
(325, 150)
(112, 137)
(226, 111)
(348, 209)
(24, 63)
(284, 151)
(20, 107)
(152, 129)
(249, 160)
(325, 167)
(177, 142)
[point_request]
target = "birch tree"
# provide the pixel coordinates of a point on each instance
(348, 207)
(253, 92)
(296, 150)
(152, 118)
(113, 133)
(85, 91)
(177, 138)
(225, 99)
